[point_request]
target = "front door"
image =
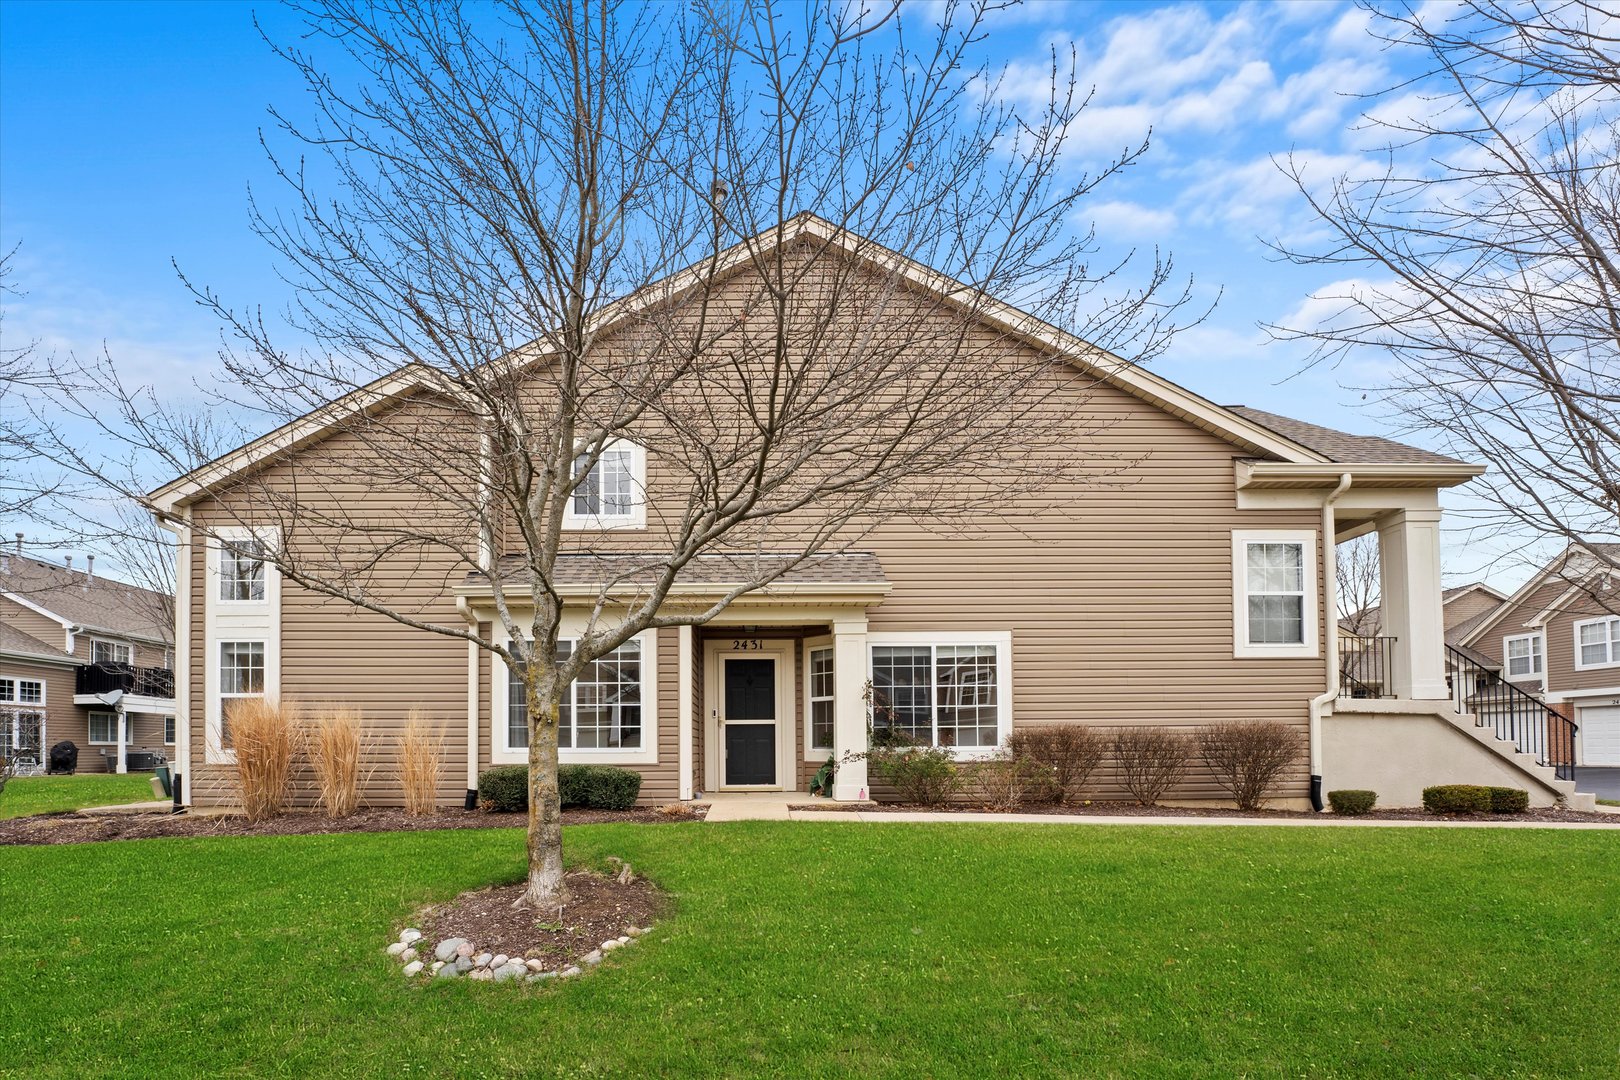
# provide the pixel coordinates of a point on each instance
(748, 719)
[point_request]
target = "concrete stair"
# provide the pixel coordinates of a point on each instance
(1526, 763)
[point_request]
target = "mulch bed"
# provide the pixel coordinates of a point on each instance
(1130, 809)
(597, 909)
(76, 828)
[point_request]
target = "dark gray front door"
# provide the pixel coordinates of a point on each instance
(750, 720)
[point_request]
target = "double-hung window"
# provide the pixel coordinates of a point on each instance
(241, 571)
(22, 713)
(22, 692)
(104, 729)
(1525, 655)
(241, 675)
(1597, 642)
(820, 697)
(600, 710)
(610, 490)
(1274, 586)
(168, 731)
(110, 652)
(940, 694)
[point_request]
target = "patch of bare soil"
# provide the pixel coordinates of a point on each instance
(75, 828)
(598, 909)
(1130, 809)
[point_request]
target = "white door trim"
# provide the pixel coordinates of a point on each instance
(782, 651)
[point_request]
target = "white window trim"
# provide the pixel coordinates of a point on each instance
(237, 620)
(1001, 639)
(500, 753)
(1241, 648)
(821, 754)
(1612, 661)
(16, 694)
(637, 518)
(88, 730)
(1538, 653)
(109, 641)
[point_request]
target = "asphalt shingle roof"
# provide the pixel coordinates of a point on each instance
(1341, 447)
(98, 602)
(852, 568)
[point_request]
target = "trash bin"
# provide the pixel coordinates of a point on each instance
(162, 773)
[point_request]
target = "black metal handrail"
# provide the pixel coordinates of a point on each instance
(1366, 666)
(1518, 717)
(103, 678)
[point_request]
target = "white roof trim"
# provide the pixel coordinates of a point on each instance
(1135, 380)
(67, 624)
(1525, 591)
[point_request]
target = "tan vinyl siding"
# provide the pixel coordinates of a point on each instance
(1562, 674)
(33, 624)
(1514, 620)
(63, 719)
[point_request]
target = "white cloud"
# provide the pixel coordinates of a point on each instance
(1121, 219)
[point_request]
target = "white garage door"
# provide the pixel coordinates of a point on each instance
(1600, 734)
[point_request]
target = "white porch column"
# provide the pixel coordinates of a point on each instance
(121, 721)
(849, 707)
(684, 711)
(1409, 588)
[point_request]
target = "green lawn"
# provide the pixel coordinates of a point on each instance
(803, 950)
(48, 794)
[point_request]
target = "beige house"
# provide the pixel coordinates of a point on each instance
(1558, 640)
(1194, 588)
(83, 659)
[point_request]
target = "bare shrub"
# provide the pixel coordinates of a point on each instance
(262, 732)
(924, 775)
(1008, 779)
(1246, 757)
(332, 744)
(1064, 757)
(420, 749)
(1150, 760)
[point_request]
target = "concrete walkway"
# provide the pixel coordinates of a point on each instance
(878, 817)
(753, 805)
(164, 807)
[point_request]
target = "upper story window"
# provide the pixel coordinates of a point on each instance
(611, 491)
(1274, 586)
(1525, 655)
(110, 652)
(241, 570)
(1597, 642)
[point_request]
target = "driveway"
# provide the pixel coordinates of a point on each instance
(1604, 782)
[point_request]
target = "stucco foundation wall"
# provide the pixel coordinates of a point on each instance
(1398, 754)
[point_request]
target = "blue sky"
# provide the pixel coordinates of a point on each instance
(129, 138)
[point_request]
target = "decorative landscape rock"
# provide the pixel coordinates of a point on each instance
(509, 970)
(396, 948)
(447, 949)
(611, 944)
(413, 968)
(410, 935)
(593, 957)
(499, 961)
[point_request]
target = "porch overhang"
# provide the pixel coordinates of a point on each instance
(1255, 476)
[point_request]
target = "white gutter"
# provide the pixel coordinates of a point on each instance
(1330, 594)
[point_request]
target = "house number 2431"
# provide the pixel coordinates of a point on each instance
(747, 644)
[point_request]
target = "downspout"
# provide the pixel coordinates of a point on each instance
(1330, 593)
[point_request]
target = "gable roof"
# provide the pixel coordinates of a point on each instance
(1276, 437)
(13, 642)
(75, 598)
(1539, 580)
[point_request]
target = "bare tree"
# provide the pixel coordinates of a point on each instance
(1356, 566)
(565, 227)
(1483, 252)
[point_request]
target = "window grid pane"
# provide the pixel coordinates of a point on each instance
(821, 699)
(241, 575)
(241, 667)
(608, 490)
(1275, 575)
(902, 691)
(966, 680)
(30, 692)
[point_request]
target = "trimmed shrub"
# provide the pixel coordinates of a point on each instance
(920, 774)
(598, 787)
(1064, 756)
(505, 788)
(1509, 800)
(1006, 780)
(1352, 802)
(1150, 760)
(1457, 799)
(1247, 757)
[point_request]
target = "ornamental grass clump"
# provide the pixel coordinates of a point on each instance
(332, 744)
(420, 749)
(262, 732)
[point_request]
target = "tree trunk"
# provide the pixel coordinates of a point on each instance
(545, 891)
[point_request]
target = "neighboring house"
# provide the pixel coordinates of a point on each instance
(1558, 640)
(1195, 589)
(1364, 648)
(84, 659)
